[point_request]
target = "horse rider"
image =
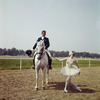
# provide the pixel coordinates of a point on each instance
(47, 44)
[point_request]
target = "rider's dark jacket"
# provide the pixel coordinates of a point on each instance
(46, 42)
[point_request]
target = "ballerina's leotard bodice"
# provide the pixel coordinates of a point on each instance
(70, 61)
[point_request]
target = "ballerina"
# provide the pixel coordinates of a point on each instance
(69, 70)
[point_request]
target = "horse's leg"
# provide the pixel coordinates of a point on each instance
(37, 76)
(43, 78)
(47, 78)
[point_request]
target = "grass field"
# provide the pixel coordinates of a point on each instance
(28, 63)
(20, 85)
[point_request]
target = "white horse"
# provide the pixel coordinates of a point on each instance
(41, 61)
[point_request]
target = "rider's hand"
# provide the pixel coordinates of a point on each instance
(33, 50)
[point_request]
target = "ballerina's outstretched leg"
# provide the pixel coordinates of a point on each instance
(75, 86)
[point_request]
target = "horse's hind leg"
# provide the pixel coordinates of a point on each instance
(37, 76)
(47, 78)
(43, 78)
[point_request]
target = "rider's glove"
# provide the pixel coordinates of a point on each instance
(32, 50)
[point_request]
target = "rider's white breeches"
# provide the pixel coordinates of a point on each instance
(48, 53)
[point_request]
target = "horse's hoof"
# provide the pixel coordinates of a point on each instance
(43, 88)
(36, 89)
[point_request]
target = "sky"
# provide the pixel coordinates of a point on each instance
(70, 24)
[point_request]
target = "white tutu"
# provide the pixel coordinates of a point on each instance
(69, 71)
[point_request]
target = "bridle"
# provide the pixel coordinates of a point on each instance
(41, 53)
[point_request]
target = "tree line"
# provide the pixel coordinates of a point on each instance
(16, 52)
(12, 52)
(77, 54)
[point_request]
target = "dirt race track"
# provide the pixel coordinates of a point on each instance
(19, 85)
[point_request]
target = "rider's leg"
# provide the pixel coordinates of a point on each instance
(33, 61)
(48, 54)
(33, 64)
(50, 62)
(49, 58)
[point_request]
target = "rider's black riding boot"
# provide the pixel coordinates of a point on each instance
(33, 64)
(50, 62)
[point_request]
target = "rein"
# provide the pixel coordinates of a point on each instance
(41, 54)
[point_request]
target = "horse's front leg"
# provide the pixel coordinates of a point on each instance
(37, 76)
(47, 78)
(43, 78)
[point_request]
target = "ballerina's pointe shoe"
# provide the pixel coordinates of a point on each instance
(78, 88)
(65, 90)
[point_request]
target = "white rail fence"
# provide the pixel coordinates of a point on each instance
(89, 61)
(20, 61)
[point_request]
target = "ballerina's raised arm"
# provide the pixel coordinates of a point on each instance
(60, 59)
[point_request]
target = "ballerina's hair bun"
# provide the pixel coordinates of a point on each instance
(71, 53)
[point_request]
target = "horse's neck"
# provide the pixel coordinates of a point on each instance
(44, 59)
(44, 54)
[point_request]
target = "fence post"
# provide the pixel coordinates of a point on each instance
(20, 63)
(62, 63)
(89, 63)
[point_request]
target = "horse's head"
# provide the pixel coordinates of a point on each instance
(40, 48)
